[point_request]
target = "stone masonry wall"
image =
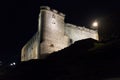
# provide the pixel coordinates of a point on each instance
(76, 33)
(30, 50)
(53, 35)
(53, 38)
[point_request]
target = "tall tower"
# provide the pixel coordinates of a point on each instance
(51, 29)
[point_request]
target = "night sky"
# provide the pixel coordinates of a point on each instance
(20, 20)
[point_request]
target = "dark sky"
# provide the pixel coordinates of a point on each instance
(20, 19)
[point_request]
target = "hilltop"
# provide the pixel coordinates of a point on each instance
(87, 59)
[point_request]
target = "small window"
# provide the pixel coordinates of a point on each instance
(53, 16)
(53, 22)
(51, 45)
(71, 41)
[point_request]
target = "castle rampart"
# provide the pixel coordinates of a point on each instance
(53, 35)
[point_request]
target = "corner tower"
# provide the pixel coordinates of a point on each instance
(51, 29)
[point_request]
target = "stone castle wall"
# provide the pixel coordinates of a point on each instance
(52, 25)
(53, 35)
(30, 50)
(76, 33)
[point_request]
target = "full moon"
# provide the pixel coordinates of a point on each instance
(95, 24)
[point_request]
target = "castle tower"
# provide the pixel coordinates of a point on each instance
(53, 35)
(51, 28)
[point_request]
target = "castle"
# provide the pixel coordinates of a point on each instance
(53, 35)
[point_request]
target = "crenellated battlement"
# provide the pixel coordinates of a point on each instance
(45, 7)
(82, 28)
(55, 11)
(52, 10)
(61, 14)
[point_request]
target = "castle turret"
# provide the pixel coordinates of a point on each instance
(51, 27)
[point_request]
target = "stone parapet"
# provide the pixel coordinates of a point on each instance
(52, 10)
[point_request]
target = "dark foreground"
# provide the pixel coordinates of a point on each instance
(84, 60)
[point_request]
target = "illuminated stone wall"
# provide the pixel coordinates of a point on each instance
(53, 35)
(76, 33)
(52, 27)
(30, 50)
